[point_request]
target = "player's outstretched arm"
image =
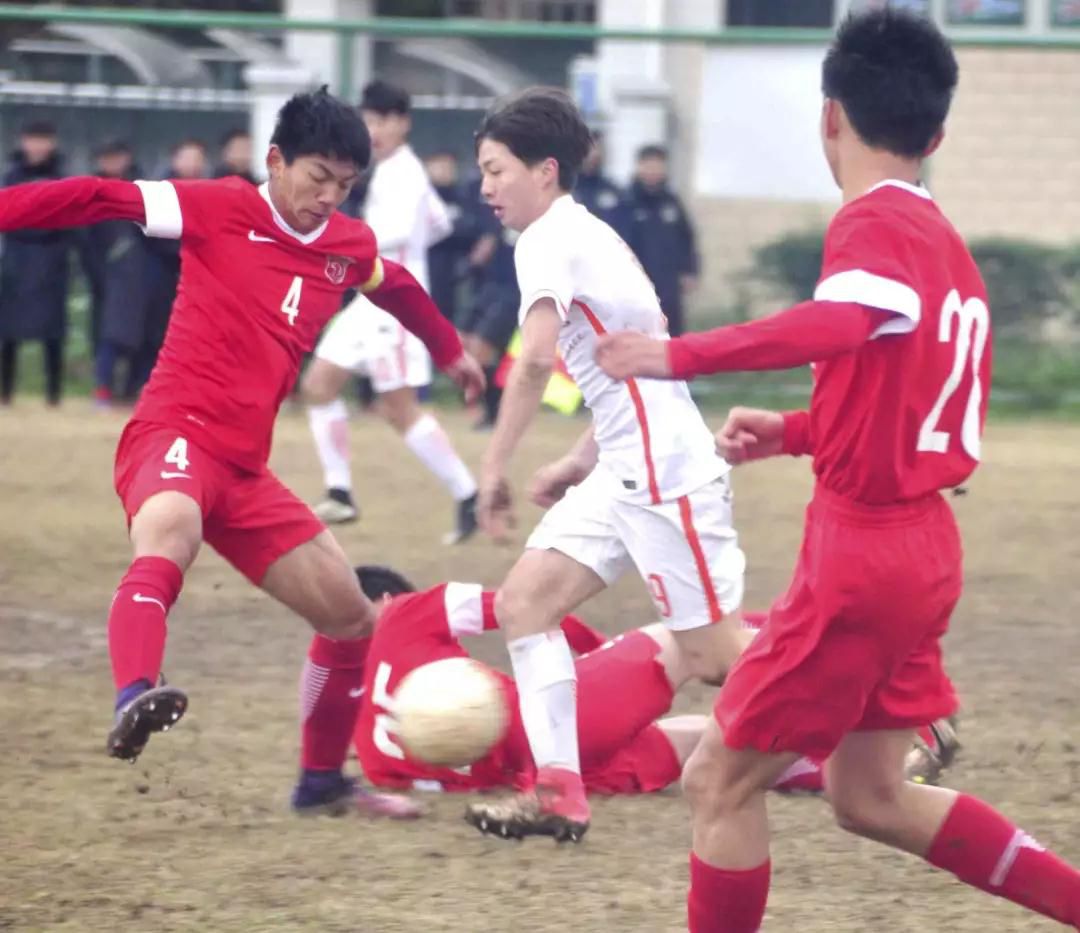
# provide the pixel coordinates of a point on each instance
(807, 333)
(70, 202)
(520, 402)
(754, 434)
(399, 293)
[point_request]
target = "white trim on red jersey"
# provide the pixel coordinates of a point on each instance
(163, 216)
(282, 224)
(464, 608)
(875, 291)
(917, 190)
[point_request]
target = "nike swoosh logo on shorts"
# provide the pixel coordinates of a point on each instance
(255, 238)
(139, 598)
(356, 694)
(165, 474)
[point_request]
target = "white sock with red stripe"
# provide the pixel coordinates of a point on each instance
(429, 442)
(330, 428)
(547, 695)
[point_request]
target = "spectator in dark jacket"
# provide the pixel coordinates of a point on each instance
(34, 271)
(662, 235)
(598, 193)
(448, 259)
(122, 270)
(236, 156)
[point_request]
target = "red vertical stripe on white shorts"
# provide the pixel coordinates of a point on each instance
(687, 515)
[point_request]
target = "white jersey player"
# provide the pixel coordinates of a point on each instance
(408, 217)
(643, 488)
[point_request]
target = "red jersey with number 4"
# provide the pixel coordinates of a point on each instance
(254, 295)
(902, 416)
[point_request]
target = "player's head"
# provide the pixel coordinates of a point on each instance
(318, 149)
(888, 80)
(385, 109)
(530, 149)
(381, 584)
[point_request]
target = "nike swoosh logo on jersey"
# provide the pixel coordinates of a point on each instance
(165, 474)
(356, 694)
(255, 238)
(139, 598)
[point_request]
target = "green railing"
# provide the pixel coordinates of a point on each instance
(399, 27)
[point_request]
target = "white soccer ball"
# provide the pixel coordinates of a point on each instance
(450, 712)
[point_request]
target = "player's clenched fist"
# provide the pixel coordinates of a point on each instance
(495, 507)
(468, 376)
(549, 484)
(627, 354)
(750, 434)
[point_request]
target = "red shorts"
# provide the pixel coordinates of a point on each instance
(250, 519)
(854, 644)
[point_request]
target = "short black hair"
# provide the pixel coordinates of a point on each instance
(236, 132)
(38, 128)
(540, 123)
(652, 151)
(113, 147)
(383, 97)
(894, 73)
(317, 123)
(376, 582)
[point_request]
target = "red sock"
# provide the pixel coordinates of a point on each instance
(722, 901)
(330, 688)
(985, 850)
(137, 619)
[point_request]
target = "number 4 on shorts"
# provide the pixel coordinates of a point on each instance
(178, 454)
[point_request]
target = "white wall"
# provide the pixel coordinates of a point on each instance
(758, 117)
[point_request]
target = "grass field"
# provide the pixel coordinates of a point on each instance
(197, 835)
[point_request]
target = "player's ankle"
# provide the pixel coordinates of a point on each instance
(337, 494)
(126, 694)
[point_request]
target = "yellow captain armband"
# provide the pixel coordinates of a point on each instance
(378, 273)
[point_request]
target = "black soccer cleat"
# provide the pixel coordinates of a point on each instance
(465, 523)
(155, 710)
(528, 815)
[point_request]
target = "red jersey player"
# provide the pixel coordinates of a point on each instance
(263, 269)
(624, 686)
(850, 658)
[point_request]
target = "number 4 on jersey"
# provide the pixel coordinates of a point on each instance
(290, 307)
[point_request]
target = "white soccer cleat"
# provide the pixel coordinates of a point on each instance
(333, 512)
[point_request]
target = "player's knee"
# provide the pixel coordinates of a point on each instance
(865, 810)
(519, 611)
(708, 789)
(317, 387)
(168, 525)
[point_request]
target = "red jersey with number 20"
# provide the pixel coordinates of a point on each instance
(253, 297)
(902, 416)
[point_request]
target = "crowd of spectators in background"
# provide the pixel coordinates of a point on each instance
(132, 278)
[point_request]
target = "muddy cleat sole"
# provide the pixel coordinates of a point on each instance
(925, 763)
(155, 710)
(521, 817)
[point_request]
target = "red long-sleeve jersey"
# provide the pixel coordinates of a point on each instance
(254, 295)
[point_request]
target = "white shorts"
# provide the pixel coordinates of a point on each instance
(370, 342)
(686, 550)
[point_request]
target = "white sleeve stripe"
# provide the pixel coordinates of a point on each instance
(163, 217)
(464, 608)
(874, 291)
(528, 301)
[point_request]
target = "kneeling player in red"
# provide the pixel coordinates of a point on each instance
(263, 270)
(849, 661)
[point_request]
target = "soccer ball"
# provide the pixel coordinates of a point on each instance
(450, 712)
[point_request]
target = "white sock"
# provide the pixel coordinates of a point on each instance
(429, 442)
(547, 695)
(330, 428)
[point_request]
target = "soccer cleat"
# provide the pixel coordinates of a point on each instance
(934, 750)
(465, 523)
(156, 709)
(556, 807)
(337, 508)
(345, 795)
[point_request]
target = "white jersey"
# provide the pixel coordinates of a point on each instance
(405, 212)
(653, 442)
